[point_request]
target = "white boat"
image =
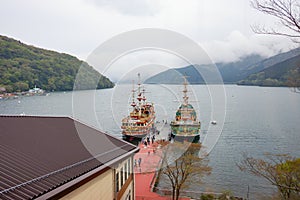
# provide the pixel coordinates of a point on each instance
(36, 91)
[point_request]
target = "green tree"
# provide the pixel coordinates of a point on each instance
(20, 86)
(294, 79)
(8, 88)
(282, 171)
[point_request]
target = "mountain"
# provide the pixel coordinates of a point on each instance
(275, 75)
(174, 76)
(24, 66)
(233, 72)
(193, 74)
(230, 72)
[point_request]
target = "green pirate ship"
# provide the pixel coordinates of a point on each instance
(186, 126)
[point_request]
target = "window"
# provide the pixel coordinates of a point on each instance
(128, 164)
(126, 171)
(129, 167)
(122, 171)
(128, 196)
(117, 182)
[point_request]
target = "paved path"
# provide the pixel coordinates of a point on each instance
(145, 173)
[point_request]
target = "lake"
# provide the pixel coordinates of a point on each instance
(252, 120)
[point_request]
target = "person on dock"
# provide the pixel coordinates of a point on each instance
(134, 163)
(139, 161)
(153, 139)
(148, 140)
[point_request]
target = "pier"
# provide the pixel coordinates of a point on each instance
(146, 170)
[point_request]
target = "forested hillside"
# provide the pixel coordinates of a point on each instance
(230, 72)
(276, 75)
(23, 66)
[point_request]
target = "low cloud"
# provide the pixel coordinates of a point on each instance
(78, 27)
(236, 46)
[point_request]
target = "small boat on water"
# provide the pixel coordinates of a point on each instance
(140, 120)
(213, 122)
(36, 91)
(186, 126)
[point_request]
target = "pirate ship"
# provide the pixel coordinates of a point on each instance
(186, 126)
(140, 120)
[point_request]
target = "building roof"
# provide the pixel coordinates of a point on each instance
(43, 156)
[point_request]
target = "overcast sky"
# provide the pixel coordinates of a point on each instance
(77, 27)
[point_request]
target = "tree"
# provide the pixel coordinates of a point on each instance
(294, 79)
(8, 88)
(282, 171)
(287, 12)
(182, 165)
(20, 86)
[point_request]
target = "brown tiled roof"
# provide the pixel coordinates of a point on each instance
(39, 155)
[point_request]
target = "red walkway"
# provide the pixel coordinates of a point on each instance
(144, 174)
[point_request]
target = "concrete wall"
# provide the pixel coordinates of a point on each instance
(101, 187)
(104, 185)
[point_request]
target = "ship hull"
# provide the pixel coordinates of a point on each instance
(189, 133)
(134, 139)
(185, 138)
(134, 134)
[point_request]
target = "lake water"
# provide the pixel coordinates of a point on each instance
(256, 120)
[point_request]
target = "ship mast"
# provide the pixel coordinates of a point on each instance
(139, 98)
(144, 98)
(185, 97)
(133, 104)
